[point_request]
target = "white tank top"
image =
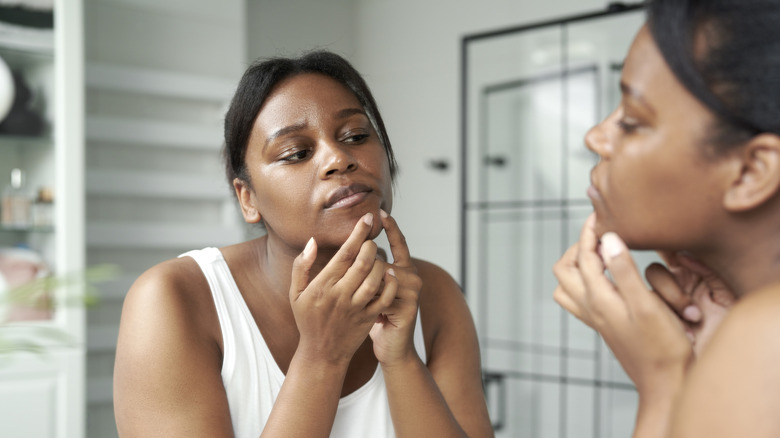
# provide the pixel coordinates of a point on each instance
(252, 379)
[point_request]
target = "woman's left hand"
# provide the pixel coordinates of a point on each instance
(645, 335)
(392, 334)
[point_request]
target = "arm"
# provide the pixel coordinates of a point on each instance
(444, 398)
(165, 344)
(734, 387)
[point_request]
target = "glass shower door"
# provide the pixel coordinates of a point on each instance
(530, 96)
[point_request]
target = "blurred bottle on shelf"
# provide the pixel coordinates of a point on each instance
(15, 212)
(42, 213)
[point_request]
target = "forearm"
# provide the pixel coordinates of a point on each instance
(307, 403)
(417, 406)
(656, 407)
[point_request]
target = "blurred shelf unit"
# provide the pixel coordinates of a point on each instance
(42, 396)
(27, 40)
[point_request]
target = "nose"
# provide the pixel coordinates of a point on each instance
(598, 138)
(338, 158)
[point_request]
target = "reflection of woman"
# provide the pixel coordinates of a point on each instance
(690, 161)
(306, 331)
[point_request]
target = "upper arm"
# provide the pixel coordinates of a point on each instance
(167, 373)
(734, 388)
(453, 349)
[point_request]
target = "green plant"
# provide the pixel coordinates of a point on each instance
(48, 293)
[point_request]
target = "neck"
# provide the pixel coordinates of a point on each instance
(276, 259)
(749, 261)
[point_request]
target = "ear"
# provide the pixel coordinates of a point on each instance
(246, 199)
(758, 179)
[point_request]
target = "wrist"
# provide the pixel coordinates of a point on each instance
(315, 357)
(656, 406)
(402, 364)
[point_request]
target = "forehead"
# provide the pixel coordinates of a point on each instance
(646, 72)
(306, 95)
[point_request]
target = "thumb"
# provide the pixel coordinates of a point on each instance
(301, 268)
(628, 281)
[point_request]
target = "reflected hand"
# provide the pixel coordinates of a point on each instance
(644, 334)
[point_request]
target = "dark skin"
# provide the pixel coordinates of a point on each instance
(722, 210)
(328, 305)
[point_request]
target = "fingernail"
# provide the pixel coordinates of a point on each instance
(391, 272)
(692, 313)
(611, 246)
(368, 218)
(309, 245)
(383, 213)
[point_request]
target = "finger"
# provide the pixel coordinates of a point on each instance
(397, 241)
(387, 296)
(663, 282)
(368, 289)
(627, 280)
(302, 268)
(360, 269)
(346, 255)
(694, 265)
(669, 257)
(568, 275)
(589, 262)
(564, 300)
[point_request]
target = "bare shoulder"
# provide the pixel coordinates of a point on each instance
(735, 383)
(439, 289)
(175, 290)
(443, 307)
(168, 360)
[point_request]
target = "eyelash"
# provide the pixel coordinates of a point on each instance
(626, 127)
(295, 156)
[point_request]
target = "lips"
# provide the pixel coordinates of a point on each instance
(347, 196)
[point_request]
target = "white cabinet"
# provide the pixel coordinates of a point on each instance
(42, 395)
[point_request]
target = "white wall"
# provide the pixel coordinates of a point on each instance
(409, 53)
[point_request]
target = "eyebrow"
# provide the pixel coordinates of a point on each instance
(627, 90)
(343, 114)
(347, 112)
(284, 131)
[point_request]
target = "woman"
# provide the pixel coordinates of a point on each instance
(690, 161)
(306, 331)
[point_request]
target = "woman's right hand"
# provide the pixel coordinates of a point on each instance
(644, 334)
(335, 310)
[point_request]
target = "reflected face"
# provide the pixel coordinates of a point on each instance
(655, 183)
(315, 163)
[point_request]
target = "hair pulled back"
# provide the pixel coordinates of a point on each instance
(727, 54)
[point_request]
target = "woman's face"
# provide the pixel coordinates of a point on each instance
(655, 184)
(315, 163)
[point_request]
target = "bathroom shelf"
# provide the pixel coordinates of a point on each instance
(139, 133)
(160, 236)
(155, 185)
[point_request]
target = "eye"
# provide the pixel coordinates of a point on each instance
(628, 126)
(355, 137)
(296, 155)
